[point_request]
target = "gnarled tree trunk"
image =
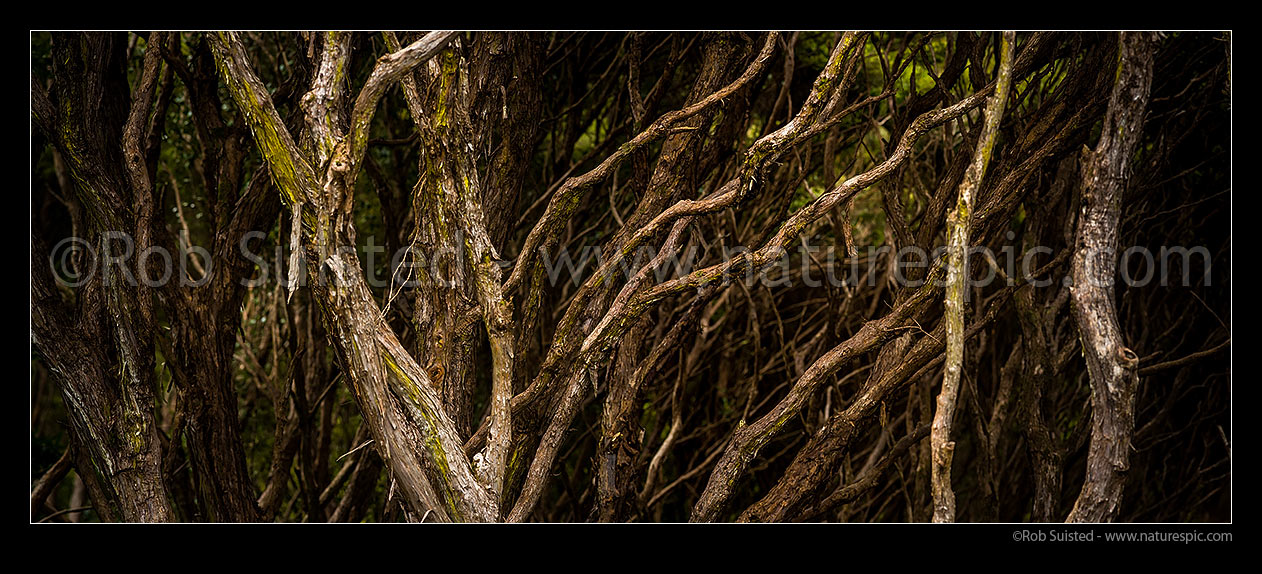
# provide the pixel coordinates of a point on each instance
(1111, 364)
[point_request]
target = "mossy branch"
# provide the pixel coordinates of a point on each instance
(957, 274)
(294, 177)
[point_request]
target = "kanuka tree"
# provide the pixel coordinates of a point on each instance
(490, 370)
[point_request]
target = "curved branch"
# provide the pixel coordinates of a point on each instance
(46, 483)
(868, 479)
(564, 201)
(390, 68)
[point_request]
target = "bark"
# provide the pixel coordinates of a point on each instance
(957, 274)
(506, 70)
(1037, 375)
(672, 177)
(1112, 365)
(452, 183)
(100, 347)
(412, 431)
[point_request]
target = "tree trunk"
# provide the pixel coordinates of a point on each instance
(1111, 365)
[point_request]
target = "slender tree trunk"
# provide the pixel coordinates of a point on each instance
(957, 277)
(1111, 365)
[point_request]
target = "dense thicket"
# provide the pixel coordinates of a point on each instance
(583, 276)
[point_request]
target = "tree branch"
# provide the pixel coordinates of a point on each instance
(957, 275)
